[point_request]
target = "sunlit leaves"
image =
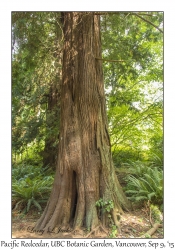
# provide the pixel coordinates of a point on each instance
(133, 87)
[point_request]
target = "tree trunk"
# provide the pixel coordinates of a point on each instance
(53, 104)
(52, 114)
(85, 171)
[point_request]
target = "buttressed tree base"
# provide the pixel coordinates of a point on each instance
(85, 171)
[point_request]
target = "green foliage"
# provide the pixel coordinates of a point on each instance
(107, 207)
(147, 236)
(35, 80)
(31, 187)
(133, 87)
(137, 168)
(113, 232)
(20, 172)
(28, 192)
(156, 213)
(155, 156)
(145, 184)
(123, 156)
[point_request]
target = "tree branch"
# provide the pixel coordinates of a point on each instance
(142, 14)
(108, 60)
(100, 13)
(148, 22)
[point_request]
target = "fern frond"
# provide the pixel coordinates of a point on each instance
(37, 205)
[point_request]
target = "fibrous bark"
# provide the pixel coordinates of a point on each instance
(85, 172)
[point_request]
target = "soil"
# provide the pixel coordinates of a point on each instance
(132, 225)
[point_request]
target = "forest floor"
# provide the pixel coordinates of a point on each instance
(133, 225)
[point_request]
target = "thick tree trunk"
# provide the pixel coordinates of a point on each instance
(85, 171)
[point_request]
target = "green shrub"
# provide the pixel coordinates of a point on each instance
(147, 184)
(156, 214)
(137, 168)
(124, 155)
(31, 192)
(23, 171)
(156, 159)
(107, 206)
(31, 186)
(20, 172)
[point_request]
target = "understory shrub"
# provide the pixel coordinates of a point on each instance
(23, 171)
(31, 192)
(31, 187)
(145, 183)
(124, 155)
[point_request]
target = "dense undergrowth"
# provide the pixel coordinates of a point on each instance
(31, 187)
(31, 184)
(143, 180)
(145, 183)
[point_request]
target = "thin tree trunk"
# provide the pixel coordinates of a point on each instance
(53, 105)
(85, 171)
(52, 115)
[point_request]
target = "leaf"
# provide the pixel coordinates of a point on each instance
(37, 205)
(29, 204)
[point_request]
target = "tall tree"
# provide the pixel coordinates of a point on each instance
(36, 69)
(85, 171)
(133, 71)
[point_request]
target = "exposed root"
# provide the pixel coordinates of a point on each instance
(97, 229)
(103, 229)
(116, 219)
(152, 230)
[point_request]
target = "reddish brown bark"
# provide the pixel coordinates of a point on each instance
(85, 171)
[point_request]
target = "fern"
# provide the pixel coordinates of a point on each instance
(31, 192)
(149, 186)
(37, 205)
(29, 204)
(151, 195)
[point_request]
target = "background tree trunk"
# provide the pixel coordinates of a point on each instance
(53, 105)
(85, 171)
(52, 115)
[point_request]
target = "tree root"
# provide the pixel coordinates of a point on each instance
(152, 230)
(96, 229)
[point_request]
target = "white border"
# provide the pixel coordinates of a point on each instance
(5, 94)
